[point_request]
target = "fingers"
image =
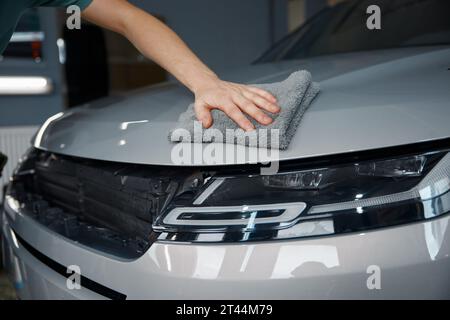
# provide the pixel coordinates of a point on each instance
(235, 100)
(263, 93)
(261, 102)
(237, 116)
(203, 114)
(251, 109)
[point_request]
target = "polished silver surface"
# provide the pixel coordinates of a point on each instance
(368, 100)
(412, 262)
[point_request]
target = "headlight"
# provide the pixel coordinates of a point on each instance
(312, 201)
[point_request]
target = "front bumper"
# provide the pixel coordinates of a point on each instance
(410, 261)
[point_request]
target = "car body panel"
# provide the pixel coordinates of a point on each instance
(368, 100)
(337, 267)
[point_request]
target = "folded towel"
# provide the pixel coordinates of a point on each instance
(294, 96)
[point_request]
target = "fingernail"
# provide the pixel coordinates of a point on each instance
(250, 128)
(205, 123)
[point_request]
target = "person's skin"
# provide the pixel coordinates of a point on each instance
(159, 43)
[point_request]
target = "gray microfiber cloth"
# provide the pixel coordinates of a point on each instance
(294, 96)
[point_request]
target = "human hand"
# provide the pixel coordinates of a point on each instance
(235, 100)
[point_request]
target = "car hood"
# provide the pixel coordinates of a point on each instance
(368, 100)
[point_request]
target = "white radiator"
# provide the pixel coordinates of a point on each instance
(14, 141)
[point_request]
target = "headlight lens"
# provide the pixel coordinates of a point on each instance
(314, 201)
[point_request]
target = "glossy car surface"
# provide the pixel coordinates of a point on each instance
(377, 103)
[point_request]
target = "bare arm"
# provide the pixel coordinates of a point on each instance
(159, 43)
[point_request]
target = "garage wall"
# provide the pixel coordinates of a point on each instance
(33, 110)
(224, 33)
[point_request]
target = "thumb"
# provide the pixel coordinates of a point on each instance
(203, 115)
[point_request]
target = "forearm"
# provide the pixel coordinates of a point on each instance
(156, 41)
(159, 43)
(164, 47)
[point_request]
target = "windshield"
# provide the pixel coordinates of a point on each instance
(343, 28)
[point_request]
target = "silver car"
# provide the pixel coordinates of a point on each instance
(99, 209)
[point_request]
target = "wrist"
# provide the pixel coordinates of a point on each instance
(202, 81)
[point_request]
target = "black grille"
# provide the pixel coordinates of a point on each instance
(106, 205)
(117, 199)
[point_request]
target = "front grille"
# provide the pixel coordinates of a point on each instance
(108, 195)
(105, 205)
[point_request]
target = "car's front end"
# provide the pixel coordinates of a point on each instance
(102, 207)
(325, 228)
